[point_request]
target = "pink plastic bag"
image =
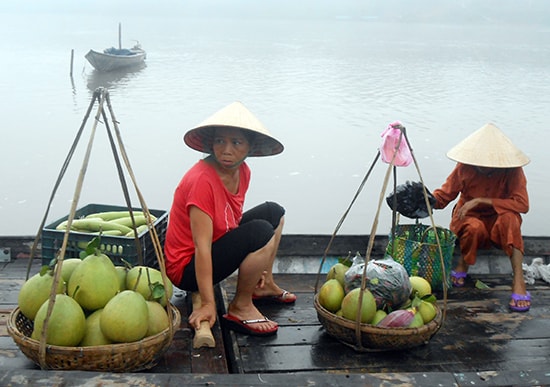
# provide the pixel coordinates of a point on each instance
(390, 139)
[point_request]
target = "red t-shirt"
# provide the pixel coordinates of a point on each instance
(201, 187)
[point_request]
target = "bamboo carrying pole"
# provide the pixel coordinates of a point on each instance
(203, 335)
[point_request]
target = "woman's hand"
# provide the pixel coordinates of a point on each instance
(206, 312)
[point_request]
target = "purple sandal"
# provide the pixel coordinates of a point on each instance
(456, 275)
(520, 297)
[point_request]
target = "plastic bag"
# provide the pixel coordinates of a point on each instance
(536, 270)
(352, 278)
(387, 280)
(390, 139)
(410, 200)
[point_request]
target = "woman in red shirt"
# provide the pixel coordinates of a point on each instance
(209, 237)
(493, 194)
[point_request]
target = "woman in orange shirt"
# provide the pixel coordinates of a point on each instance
(493, 194)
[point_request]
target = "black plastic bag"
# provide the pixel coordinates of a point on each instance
(410, 200)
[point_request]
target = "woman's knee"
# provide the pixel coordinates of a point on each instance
(263, 232)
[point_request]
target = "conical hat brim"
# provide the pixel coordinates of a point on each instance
(488, 147)
(235, 115)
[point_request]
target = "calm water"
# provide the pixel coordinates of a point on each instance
(325, 88)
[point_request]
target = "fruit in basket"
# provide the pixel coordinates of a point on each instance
(66, 325)
(35, 291)
(378, 316)
(125, 317)
(420, 286)
(350, 305)
(417, 321)
(94, 335)
(148, 281)
(158, 318)
(427, 310)
(94, 282)
(331, 295)
(68, 267)
(121, 273)
(337, 271)
(398, 318)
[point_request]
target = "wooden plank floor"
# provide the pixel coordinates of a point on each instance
(479, 334)
(480, 343)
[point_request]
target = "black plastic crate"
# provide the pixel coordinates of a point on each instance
(116, 247)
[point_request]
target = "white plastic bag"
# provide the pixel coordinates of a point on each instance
(536, 270)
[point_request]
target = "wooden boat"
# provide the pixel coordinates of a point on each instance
(479, 343)
(116, 58)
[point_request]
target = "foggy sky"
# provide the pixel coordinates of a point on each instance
(423, 11)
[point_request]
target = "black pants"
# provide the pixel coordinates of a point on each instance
(257, 227)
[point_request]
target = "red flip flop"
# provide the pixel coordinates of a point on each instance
(242, 326)
(284, 298)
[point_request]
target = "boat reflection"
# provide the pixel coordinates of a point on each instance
(113, 79)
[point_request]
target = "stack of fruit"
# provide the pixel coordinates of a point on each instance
(113, 223)
(419, 308)
(96, 302)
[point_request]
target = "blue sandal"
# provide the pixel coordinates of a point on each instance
(456, 276)
(520, 297)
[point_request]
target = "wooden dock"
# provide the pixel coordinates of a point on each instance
(481, 343)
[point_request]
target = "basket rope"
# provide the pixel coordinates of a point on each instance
(358, 346)
(101, 96)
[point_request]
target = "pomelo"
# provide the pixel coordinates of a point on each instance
(93, 335)
(420, 286)
(93, 282)
(427, 310)
(417, 321)
(68, 267)
(337, 271)
(378, 316)
(121, 272)
(350, 305)
(125, 317)
(67, 323)
(147, 281)
(158, 318)
(35, 291)
(331, 295)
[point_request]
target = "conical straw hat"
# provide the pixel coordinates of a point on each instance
(235, 115)
(488, 147)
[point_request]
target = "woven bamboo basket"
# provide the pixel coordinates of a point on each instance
(124, 357)
(373, 338)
